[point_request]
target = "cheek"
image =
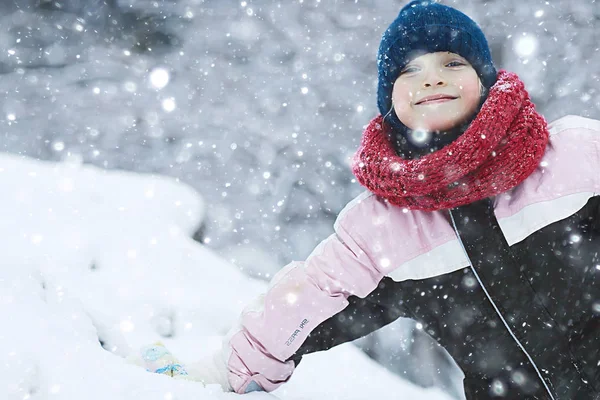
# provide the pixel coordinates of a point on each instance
(470, 91)
(402, 96)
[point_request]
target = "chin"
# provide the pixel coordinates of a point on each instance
(439, 126)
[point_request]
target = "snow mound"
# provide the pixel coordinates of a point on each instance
(96, 264)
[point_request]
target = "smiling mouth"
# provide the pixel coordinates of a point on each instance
(435, 101)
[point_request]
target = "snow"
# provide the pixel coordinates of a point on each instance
(211, 92)
(93, 256)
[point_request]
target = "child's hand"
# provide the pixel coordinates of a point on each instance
(156, 358)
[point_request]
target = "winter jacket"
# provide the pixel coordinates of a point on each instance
(507, 285)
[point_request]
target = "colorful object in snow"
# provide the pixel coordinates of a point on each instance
(156, 358)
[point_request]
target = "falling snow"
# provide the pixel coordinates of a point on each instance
(258, 106)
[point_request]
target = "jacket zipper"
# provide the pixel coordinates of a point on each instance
(498, 311)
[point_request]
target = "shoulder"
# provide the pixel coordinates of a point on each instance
(371, 221)
(566, 178)
(571, 160)
(361, 206)
(365, 206)
(573, 123)
(573, 149)
(405, 244)
(572, 138)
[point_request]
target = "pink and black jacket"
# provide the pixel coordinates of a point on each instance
(508, 285)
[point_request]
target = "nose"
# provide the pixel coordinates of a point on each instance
(433, 78)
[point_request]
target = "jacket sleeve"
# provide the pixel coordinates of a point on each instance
(300, 297)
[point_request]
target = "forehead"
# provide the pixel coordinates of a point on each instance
(424, 57)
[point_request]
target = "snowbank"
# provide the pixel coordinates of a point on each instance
(95, 264)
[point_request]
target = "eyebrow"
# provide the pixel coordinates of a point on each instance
(454, 55)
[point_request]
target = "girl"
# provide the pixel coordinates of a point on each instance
(477, 223)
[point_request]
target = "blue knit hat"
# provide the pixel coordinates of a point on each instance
(428, 27)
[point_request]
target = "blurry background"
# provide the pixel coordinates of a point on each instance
(258, 105)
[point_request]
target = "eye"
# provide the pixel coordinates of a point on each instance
(409, 70)
(455, 64)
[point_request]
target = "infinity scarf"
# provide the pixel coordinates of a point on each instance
(501, 147)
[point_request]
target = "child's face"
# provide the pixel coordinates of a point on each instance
(441, 73)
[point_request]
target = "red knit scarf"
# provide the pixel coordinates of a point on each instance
(500, 148)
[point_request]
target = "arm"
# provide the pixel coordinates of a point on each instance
(358, 319)
(300, 297)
